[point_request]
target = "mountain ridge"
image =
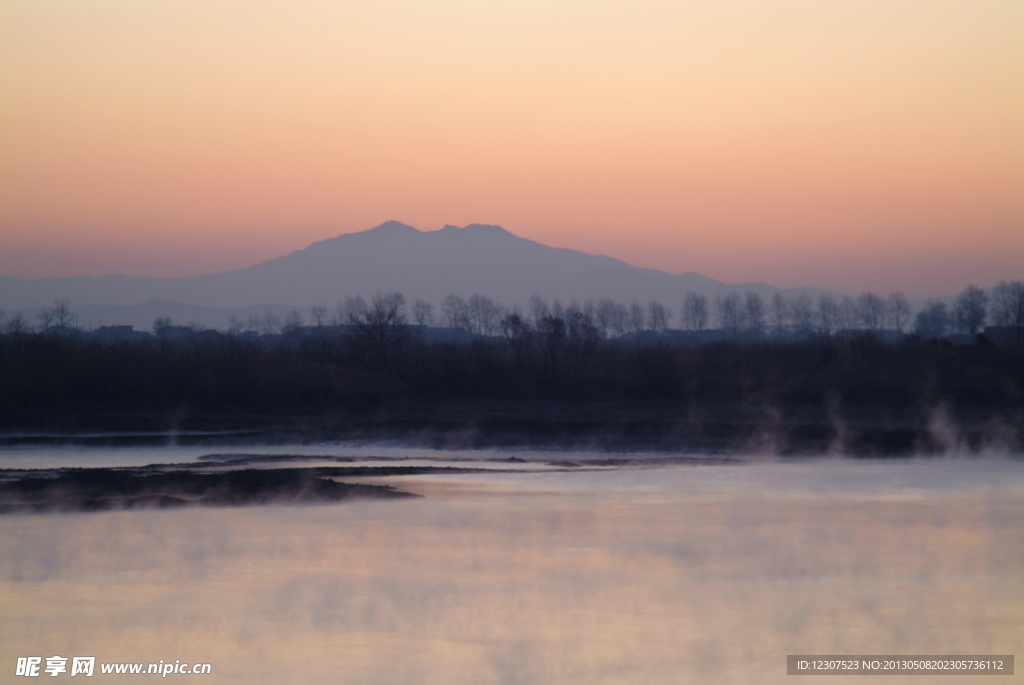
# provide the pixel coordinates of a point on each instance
(392, 256)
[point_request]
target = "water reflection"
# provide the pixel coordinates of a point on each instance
(677, 575)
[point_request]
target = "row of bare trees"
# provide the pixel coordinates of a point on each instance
(566, 336)
(972, 309)
(749, 313)
(377, 363)
(734, 314)
(737, 314)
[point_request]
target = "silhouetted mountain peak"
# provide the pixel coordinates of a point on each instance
(478, 229)
(393, 256)
(393, 227)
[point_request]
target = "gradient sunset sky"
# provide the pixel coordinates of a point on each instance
(851, 145)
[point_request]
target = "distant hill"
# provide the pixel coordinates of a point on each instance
(393, 256)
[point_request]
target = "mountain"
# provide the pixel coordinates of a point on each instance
(393, 256)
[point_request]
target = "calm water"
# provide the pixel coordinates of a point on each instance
(638, 575)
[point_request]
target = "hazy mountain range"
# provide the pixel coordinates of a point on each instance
(391, 257)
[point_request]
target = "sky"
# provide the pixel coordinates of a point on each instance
(855, 145)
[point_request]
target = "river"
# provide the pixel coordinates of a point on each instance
(638, 573)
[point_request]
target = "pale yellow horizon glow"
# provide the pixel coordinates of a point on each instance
(850, 145)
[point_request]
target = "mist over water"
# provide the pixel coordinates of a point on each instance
(637, 574)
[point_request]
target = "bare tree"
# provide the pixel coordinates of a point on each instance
(753, 312)
(581, 340)
(455, 312)
(871, 311)
(589, 310)
(380, 327)
(933, 320)
(538, 309)
(611, 317)
(1008, 307)
(1007, 302)
(557, 310)
(604, 316)
(351, 309)
(848, 315)
(828, 314)
(519, 336)
(695, 311)
(730, 314)
(636, 317)
(423, 313)
(62, 312)
(779, 313)
(619, 320)
(292, 322)
(161, 325)
(17, 325)
(319, 314)
(970, 309)
(657, 316)
(46, 318)
(898, 311)
(551, 332)
(570, 311)
(270, 324)
(802, 311)
(484, 315)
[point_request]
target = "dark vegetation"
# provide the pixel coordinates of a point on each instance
(107, 489)
(220, 481)
(554, 385)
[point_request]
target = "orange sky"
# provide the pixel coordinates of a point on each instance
(849, 145)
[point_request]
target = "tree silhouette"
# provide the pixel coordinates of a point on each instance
(423, 313)
(828, 315)
(519, 336)
(933, 320)
(898, 311)
(292, 322)
(380, 327)
(870, 311)
(1008, 307)
(780, 312)
(455, 311)
(753, 312)
(319, 314)
(552, 339)
(969, 310)
(62, 312)
(657, 316)
(484, 315)
(162, 325)
(730, 313)
(695, 311)
(802, 313)
(637, 318)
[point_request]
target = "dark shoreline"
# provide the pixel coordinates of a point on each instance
(230, 480)
(853, 395)
(612, 427)
(109, 489)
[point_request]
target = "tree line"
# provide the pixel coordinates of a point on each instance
(734, 314)
(551, 369)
